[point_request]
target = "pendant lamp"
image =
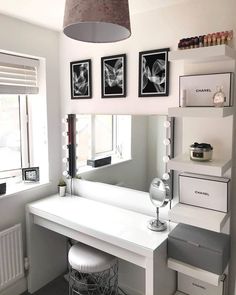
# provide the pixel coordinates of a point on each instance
(97, 21)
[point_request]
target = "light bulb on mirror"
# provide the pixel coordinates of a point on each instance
(159, 193)
(166, 176)
(64, 133)
(64, 160)
(65, 173)
(166, 159)
(166, 141)
(166, 124)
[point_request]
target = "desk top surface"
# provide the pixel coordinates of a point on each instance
(114, 225)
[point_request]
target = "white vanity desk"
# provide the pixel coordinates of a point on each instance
(117, 231)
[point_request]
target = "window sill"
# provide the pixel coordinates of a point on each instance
(13, 189)
(115, 162)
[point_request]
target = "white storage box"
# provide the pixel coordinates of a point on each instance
(192, 286)
(204, 191)
(200, 89)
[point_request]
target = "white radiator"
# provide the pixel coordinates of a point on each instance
(11, 256)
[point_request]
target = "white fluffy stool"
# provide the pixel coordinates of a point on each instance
(92, 272)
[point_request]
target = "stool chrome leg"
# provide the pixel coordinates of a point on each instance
(70, 288)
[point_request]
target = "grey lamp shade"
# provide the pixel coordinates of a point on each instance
(98, 21)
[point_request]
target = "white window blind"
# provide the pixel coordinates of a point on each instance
(18, 75)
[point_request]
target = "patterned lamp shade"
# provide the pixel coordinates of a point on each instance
(98, 21)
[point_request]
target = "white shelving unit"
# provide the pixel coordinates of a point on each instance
(204, 54)
(201, 112)
(216, 167)
(183, 213)
(194, 272)
(195, 216)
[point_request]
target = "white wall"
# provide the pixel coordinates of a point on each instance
(21, 37)
(155, 29)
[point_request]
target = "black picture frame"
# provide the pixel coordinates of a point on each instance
(153, 73)
(80, 79)
(30, 174)
(113, 76)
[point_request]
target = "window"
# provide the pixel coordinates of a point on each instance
(103, 135)
(23, 117)
(14, 153)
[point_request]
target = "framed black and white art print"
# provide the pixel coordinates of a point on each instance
(113, 76)
(80, 79)
(154, 73)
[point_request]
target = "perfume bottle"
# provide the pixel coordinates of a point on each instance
(183, 98)
(219, 97)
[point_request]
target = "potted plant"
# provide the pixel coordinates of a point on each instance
(62, 188)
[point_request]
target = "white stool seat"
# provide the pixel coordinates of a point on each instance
(86, 259)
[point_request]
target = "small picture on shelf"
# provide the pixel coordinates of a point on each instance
(30, 174)
(154, 73)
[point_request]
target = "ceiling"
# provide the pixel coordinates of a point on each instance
(49, 13)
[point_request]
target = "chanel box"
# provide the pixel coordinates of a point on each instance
(199, 247)
(189, 285)
(99, 162)
(204, 191)
(3, 187)
(200, 89)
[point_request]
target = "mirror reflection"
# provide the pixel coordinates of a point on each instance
(134, 145)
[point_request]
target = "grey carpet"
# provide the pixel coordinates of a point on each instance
(57, 287)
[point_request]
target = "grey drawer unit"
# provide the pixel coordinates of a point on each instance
(199, 247)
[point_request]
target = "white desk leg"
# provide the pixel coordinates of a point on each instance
(47, 255)
(159, 279)
(149, 277)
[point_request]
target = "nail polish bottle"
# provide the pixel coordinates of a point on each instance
(222, 37)
(214, 39)
(218, 38)
(209, 40)
(201, 41)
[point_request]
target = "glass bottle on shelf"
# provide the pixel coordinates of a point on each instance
(219, 97)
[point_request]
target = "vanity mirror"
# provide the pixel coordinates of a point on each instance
(159, 193)
(139, 147)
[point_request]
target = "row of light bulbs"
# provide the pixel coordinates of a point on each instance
(166, 143)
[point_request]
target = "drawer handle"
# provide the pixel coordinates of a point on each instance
(192, 243)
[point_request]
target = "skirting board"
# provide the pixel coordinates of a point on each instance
(129, 290)
(16, 289)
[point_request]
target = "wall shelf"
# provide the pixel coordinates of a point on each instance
(194, 272)
(216, 167)
(199, 217)
(201, 112)
(203, 54)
